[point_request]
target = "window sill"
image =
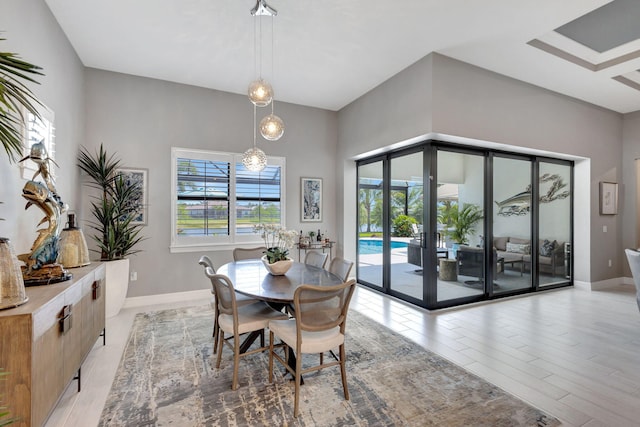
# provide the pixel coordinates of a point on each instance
(176, 249)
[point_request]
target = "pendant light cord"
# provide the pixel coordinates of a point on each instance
(273, 79)
(254, 126)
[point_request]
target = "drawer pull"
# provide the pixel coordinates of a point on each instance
(96, 289)
(65, 320)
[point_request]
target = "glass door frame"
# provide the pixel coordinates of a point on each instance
(385, 207)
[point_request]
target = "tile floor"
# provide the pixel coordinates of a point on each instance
(572, 353)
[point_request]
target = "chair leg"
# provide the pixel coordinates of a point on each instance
(216, 329)
(271, 337)
(220, 346)
(296, 397)
(216, 332)
(321, 358)
(236, 361)
(343, 372)
(262, 338)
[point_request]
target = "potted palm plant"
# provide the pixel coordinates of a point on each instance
(463, 222)
(114, 210)
(15, 99)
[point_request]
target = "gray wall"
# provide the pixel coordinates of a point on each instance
(392, 113)
(31, 31)
(140, 119)
(474, 103)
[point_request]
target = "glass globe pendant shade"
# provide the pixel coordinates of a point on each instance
(260, 93)
(254, 159)
(271, 127)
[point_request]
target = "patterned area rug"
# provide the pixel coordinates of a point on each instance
(167, 376)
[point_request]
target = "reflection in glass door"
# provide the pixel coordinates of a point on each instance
(460, 253)
(369, 263)
(512, 224)
(554, 229)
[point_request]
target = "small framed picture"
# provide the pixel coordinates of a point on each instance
(311, 199)
(608, 198)
(142, 176)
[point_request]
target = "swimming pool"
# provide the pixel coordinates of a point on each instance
(374, 246)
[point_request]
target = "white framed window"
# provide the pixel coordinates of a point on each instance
(216, 201)
(38, 130)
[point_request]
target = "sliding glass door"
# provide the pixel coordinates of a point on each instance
(554, 230)
(460, 216)
(441, 225)
(406, 226)
(390, 224)
(370, 259)
(512, 224)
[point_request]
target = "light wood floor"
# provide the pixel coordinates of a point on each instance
(575, 354)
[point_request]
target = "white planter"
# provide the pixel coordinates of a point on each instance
(278, 268)
(117, 283)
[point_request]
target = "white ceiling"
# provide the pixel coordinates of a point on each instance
(330, 52)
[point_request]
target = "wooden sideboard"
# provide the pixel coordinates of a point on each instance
(44, 342)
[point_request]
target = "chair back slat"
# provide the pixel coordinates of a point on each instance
(319, 308)
(209, 269)
(317, 259)
(205, 261)
(224, 292)
(341, 267)
(240, 254)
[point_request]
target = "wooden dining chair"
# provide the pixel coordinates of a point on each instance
(248, 253)
(317, 259)
(318, 326)
(236, 321)
(241, 300)
(341, 267)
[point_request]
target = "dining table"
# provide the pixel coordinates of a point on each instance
(250, 277)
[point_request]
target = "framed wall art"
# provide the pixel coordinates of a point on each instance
(608, 198)
(311, 200)
(142, 176)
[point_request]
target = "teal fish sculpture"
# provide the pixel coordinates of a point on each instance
(40, 265)
(45, 248)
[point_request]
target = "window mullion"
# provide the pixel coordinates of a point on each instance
(231, 212)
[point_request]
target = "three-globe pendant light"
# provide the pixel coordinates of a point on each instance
(260, 93)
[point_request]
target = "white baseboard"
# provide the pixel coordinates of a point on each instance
(202, 294)
(583, 286)
(602, 284)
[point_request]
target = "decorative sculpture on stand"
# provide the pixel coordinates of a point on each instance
(41, 267)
